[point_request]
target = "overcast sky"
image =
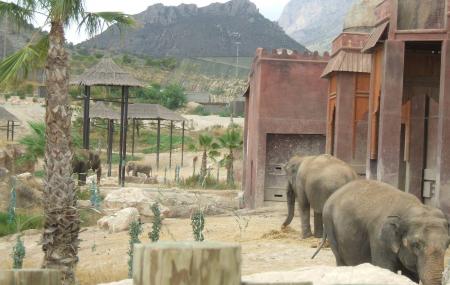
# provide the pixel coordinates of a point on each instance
(271, 9)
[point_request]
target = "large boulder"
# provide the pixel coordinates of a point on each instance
(174, 203)
(325, 275)
(119, 221)
(131, 197)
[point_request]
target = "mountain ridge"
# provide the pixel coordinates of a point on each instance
(190, 31)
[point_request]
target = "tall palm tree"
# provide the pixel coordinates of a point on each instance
(62, 224)
(230, 140)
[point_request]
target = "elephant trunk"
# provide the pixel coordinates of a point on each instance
(291, 205)
(430, 269)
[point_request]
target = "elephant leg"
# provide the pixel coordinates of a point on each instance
(318, 225)
(305, 215)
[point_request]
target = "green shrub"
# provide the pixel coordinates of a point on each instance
(39, 173)
(134, 231)
(157, 223)
(23, 222)
(201, 111)
(18, 253)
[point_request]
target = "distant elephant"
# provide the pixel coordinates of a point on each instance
(373, 222)
(82, 161)
(136, 168)
(312, 179)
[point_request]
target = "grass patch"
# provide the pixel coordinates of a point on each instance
(150, 138)
(200, 111)
(194, 182)
(25, 221)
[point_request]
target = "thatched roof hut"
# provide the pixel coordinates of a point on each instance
(152, 112)
(106, 73)
(101, 111)
(7, 116)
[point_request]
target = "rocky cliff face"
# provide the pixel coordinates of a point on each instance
(315, 23)
(190, 31)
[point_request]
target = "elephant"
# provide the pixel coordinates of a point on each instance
(82, 161)
(312, 179)
(372, 222)
(136, 168)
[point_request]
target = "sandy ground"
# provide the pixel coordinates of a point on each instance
(103, 256)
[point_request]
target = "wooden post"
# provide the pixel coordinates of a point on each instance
(158, 144)
(122, 105)
(132, 137)
(193, 263)
(7, 131)
(86, 121)
(125, 128)
(12, 130)
(110, 144)
(182, 144)
(30, 277)
(171, 142)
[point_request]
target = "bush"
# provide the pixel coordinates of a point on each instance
(26, 222)
(201, 111)
(127, 59)
(173, 97)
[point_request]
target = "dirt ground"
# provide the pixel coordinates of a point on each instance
(103, 256)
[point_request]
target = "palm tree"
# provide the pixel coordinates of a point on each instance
(209, 148)
(62, 223)
(231, 140)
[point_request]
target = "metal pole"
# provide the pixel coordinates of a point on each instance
(158, 144)
(110, 144)
(125, 128)
(121, 135)
(171, 143)
(86, 121)
(182, 144)
(7, 131)
(132, 140)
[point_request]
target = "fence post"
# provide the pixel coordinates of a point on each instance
(193, 263)
(30, 277)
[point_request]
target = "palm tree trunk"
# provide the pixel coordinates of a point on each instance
(230, 169)
(203, 167)
(62, 224)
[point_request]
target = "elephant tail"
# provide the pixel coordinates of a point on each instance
(291, 206)
(324, 240)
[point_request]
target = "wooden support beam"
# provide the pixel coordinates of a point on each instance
(125, 128)
(30, 277)
(86, 120)
(12, 130)
(7, 131)
(171, 143)
(110, 145)
(158, 144)
(193, 263)
(132, 138)
(122, 105)
(182, 144)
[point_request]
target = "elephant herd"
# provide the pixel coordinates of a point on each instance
(367, 221)
(85, 160)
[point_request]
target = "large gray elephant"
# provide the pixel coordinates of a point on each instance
(82, 161)
(312, 179)
(373, 222)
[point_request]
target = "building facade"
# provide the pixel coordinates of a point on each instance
(409, 102)
(285, 114)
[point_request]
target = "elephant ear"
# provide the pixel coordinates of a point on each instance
(391, 233)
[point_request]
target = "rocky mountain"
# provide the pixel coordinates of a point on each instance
(190, 31)
(315, 23)
(11, 38)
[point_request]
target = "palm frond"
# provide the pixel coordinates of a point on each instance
(97, 22)
(22, 16)
(20, 63)
(66, 10)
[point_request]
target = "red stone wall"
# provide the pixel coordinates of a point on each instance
(287, 96)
